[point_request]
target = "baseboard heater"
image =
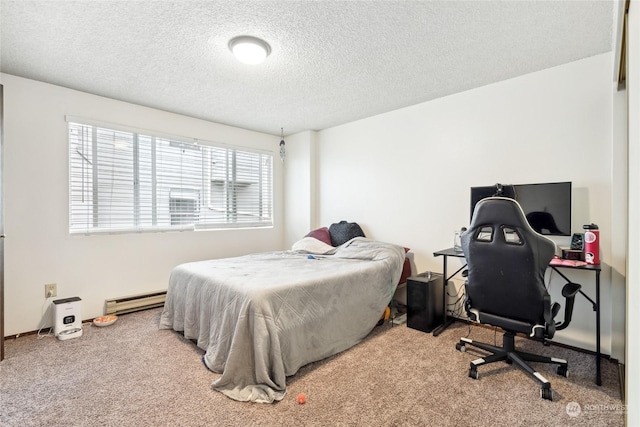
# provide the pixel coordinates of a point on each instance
(133, 303)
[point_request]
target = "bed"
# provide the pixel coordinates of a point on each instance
(261, 317)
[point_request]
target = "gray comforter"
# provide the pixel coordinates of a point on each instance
(261, 317)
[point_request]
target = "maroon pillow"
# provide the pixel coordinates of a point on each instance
(406, 271)
(321, 234)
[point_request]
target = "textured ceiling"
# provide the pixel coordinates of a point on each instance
(332, 62)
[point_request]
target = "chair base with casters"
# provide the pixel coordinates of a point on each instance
(508, 353)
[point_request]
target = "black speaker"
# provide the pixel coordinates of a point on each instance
(425, 302)
(577, 242)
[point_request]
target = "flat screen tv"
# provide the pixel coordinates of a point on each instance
(547, 206)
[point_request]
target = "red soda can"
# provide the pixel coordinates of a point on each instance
(591, 244)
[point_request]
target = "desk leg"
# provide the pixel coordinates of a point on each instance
(445, 320)
(598, 373)
(596, 308)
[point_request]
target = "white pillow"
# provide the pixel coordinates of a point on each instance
(312, 245)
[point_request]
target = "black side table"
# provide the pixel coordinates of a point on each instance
(424, 293)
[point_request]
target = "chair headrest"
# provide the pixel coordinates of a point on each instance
(504, 211)
(499, 210)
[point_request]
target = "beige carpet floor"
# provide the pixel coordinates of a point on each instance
(133, 374)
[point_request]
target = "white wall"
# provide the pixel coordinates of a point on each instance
(619, 219)
(38, 247)
(633, 264)
(405, 175)
(299, 172)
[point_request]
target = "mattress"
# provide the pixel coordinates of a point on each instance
(261, 317)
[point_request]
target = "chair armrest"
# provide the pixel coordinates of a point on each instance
(569, 292)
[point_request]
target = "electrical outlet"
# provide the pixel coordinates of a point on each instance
(50, 290)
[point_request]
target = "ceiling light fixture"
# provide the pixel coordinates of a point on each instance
(250, 50)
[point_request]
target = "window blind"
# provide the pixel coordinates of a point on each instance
(130, 181)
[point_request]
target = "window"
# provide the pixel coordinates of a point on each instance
(127, 181)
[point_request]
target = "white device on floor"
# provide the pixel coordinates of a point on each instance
(67, 320)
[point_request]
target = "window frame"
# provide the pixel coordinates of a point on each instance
(258, 164)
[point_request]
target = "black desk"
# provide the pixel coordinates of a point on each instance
(446, 321)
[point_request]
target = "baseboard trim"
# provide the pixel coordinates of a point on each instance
(50, 329)
(621, 377)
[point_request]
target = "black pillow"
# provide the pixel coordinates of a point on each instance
(343, 232)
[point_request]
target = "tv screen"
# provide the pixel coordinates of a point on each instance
(547, 206)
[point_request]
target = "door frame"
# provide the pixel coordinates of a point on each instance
(1, 229)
